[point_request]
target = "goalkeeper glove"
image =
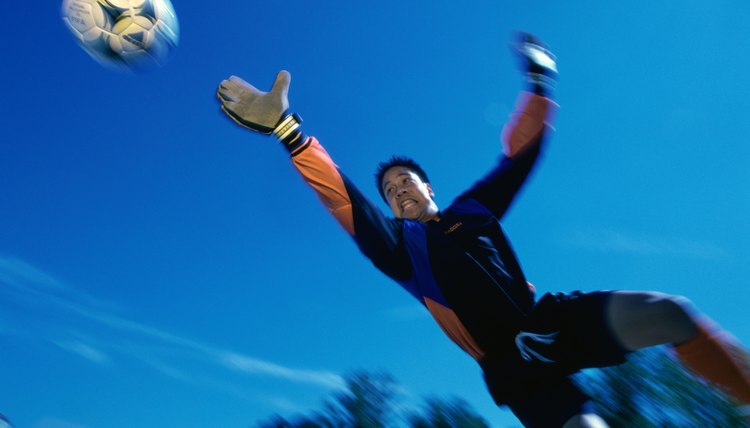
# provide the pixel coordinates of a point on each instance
(264, 112)
(537, 61)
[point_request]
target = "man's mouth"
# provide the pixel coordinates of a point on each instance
(408, 203)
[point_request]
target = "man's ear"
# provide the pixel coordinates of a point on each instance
(429, 189)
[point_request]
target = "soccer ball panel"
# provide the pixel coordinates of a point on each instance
(164, 12)
(124, 5)
(134, 34)
(86, 19)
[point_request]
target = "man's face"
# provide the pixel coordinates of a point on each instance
(407, 195)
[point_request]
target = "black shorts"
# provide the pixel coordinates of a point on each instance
(564, 334)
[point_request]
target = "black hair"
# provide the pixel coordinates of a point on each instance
(397, 161)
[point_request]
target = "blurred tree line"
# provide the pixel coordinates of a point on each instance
(369, 401)
(654, 390)
(651, 390)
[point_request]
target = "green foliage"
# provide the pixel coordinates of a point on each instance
(447, 414)
(654, 390)
(651, 390)
(368, 402)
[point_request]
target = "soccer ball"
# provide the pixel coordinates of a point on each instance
(135, 35)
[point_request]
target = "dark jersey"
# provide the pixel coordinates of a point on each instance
(462, 267)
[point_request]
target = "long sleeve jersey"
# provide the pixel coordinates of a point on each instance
(462, 267)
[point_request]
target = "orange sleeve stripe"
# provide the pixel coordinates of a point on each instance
(531, 115)
(714, 355)
(453, 328)
(321, 173)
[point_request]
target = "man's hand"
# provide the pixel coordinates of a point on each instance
(537, 61)
(252, 108)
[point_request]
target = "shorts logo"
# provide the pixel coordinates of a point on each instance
(524, 347)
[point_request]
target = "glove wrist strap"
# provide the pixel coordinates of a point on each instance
(289, 131)
(541, 84)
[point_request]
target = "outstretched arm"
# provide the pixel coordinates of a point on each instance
(524, 133)
(378, 237)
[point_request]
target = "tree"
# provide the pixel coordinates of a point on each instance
(654, 390)
(452, 413)
(651, 390)
(367, 402)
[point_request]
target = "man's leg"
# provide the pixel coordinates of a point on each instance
(555, 402)
(586, 421)
(642, 319)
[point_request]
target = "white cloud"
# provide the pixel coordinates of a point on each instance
(25, 282)
(19, 274)
(86, 351)
(149, 358)
(164, 351)
(252, 365)
(50, 422)
(285, 405)
(609, 240)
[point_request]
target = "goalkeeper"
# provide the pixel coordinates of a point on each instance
(459, 263)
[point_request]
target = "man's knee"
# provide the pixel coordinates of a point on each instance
(649, 318)
(588, 420)
(671, 309)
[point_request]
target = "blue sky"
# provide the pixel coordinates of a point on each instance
(160, 266)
